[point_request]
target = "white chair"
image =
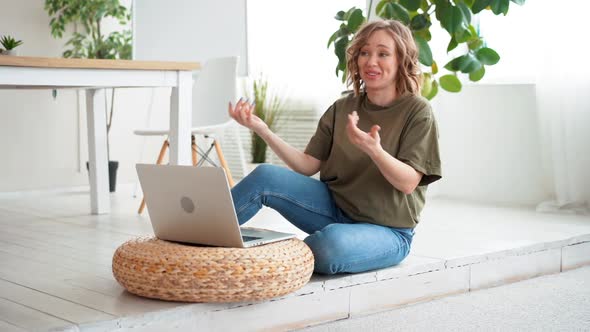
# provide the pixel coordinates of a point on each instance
(214, 88)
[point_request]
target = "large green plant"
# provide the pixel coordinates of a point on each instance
(269, 108)
(92, 43)
(455, 16)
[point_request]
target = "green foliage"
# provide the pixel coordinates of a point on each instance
(269, 108)
(9, 42)
(454, 16)
(91, 43)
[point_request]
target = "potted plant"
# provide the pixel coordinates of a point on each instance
(454, 16)
(269, 108)
(9, 44)
(92, 43)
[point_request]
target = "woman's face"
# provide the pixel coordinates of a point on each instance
(377, 63)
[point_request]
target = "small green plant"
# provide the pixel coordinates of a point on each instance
(10, 43)
(269, 108)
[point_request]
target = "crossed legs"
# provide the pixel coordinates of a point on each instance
(339, 244)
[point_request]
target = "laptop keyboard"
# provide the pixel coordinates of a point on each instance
(246, 238)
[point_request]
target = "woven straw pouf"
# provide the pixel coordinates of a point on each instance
(171, 271)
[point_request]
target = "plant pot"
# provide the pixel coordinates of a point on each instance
(113, 166)
(12, 52)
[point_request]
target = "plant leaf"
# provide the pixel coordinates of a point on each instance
(452, 44)
(341, 32)
(450, 83)
(380, 9)
(452, 19)
(355, 20)
(469, 64)
(464, 63)
(333, 38)
(466, 13)
(434, 68)
(518, 2)
(349, 12)
(433, 90)
(400, 13)
(477, 74)
(340, 51)
(487, 56)
(420, 22)
(462, 36)
(424, 52)
(473, 31)
(340, 48)
(454, 64)
(388, 11)
(411, 5)
(441, 9)
(424, 33)
(426, 84)
(480, 5)
(475, 44)
(424, 5)
(500, 6)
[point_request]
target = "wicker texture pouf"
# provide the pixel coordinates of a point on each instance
(171, 271)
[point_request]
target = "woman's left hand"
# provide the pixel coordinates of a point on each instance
(369, 143)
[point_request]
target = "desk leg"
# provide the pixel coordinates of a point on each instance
(97, 151)
(181, 102)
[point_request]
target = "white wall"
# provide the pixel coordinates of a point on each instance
(543, 43)
(490, 147)
(39, 133)
(190, 30)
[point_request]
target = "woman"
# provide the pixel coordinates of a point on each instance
(376, 150)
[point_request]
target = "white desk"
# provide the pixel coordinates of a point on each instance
(94, 76)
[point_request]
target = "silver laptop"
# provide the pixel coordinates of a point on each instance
(194, 205)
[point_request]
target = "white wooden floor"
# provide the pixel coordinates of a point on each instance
(55, 259)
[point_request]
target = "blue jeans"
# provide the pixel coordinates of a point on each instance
(339, 244)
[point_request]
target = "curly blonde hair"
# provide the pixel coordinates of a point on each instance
(408, 78)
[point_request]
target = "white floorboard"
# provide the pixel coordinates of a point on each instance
(55, 258)
(16, 317)
(50, 304)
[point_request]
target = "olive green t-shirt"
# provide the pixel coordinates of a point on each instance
(408, 132)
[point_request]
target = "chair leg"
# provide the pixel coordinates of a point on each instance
(194, 149)
(158, 162)
(162, 152)
(230, 179)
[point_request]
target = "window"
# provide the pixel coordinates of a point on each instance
(287, 43)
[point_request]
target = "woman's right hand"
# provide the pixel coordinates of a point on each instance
(243, 113)
(300, 162)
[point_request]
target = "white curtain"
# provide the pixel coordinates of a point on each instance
(546, 42)
(563, 86)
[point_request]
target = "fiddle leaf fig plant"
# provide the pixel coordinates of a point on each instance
(454, 16)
